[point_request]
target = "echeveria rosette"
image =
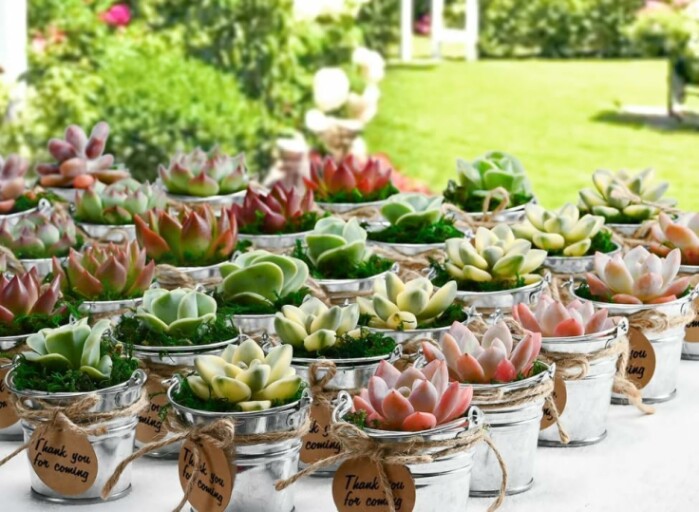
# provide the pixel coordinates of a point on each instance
(552, 318)
(203, 174)
(412, 210)
(40, 235)
(282, 210)
(23, 297)
(623, 198)
(683, 234)
(105, 272)
(244, 377)
(180, 312)
(116, 204)
(638, 277)
(80, 161)
(72, 347)
(12, 182)
(351, 180)
(414, 400)
(492, 359)
(193, 237)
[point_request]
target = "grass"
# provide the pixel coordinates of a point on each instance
(559, 117)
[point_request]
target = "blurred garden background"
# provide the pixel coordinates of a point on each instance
(551, 86)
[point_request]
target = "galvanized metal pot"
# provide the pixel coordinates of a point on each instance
(13, 431)
(43, 266)
(690, 349)
(274, 242)
(110, 448)
(515, 432)
(507, 216)
(624, 230)
(402, 337)
(109, 233)
(504, 300)
(258, 466)
(341, 208)
(254, 325)
(104, 308)
(341, 290)
(13, 218)
(216, 202)
(196, 274)
(574, 264)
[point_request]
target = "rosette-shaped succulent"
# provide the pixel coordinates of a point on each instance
(417, 399)
(351, 180)
(12, 182)
(495, 255)
(553, 319)
(623, 198)
(562, 231)
(178, 312)
(314, 325)
(682, 234)
(243, 375)
(190, 237)
(477, 179)
(40, 235)
(203, 174)
(403, 306)
(638, 277)
(116, 204)
(490, 359)
(106, 272)
(260, 277)
(280, 211)
(72, 347)
(412, 210)
(334, 244)
(80, 160)
(24, 294)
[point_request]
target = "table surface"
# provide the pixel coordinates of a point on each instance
(646, 464)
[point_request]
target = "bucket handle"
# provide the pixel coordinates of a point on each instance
(686, 307)
(622, 329)
(343, 405)
(44, 206)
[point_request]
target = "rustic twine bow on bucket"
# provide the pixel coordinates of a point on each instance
(170, 277)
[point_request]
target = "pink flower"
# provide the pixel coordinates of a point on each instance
(118, 15)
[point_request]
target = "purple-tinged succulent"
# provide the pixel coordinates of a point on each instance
(203, 174)
(24, 294)
(12, 181)
(40, 235)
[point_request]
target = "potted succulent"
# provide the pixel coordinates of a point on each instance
(16, 200)
(80, 162)
(264, 397)
(506, 381)
(338, 259)
(494, 270)
(212, 178)
(67, 366)
(106, 212)
(350, 184)
(625, 200)
(40, 236)
(105, 279)
(277, 219)
(190, 245)
(581, 330)
(645, 288)
(570, 240)
(494, 184)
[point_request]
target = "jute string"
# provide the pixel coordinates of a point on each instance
(13, 264)
(170, 277)
(487, 219)
(358, 444)
(410, 267)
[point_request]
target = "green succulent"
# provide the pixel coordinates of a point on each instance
(179, 312)
(118, 203)
(412, 210)
(334, 244)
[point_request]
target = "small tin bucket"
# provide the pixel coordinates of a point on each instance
(255, 325)
(110, 448)
(13, 218)
(584, 416)
(515, 432)
(624, 230)
(108, 233)
(342, 290)
(217, 203)
(441, 484)
(506, 216)
(504, 300)
(107, 307)
(342, 208)
(574, 264)
(196, 274)
(690, 347)
(43, 266)
(258, 466)
(10, 426)
(274, 242)
(402, 337)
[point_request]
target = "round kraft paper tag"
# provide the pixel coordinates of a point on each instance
(692, 331)
(560, 398)
(8, 414)
(641, 365)
(318, 444)
(214, 486)
(150, 425)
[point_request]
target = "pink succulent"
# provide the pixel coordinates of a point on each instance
(274, 211)
(118, 15)
(25, 295)
(638, 278)
(491, 359)
(12, 184)
(329, 178)
(414, 400)
(682, 234)
(552, 319)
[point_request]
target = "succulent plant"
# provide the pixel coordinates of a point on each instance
(179, 312)
(80, 161)
(477, 179)
(562, 231)
(40, 235)
(490, 359)
(623, 198)
(638, 277)
(204, 174)
(403, 306)
(72, 347)
(24, 294)
(106, 272)
(412, 210)
(334, 244)
(682, 234)
(12, 181)
(190, 237)
(245, 376)
(414, 400)
(552, 319)
(260, 277)
(495, 255)
(118, 203)
(282, 210)
(351, 180)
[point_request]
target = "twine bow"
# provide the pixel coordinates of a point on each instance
(170, 277)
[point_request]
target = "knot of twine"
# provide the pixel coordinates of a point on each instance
(13, 264)
(318, 291)
(107, 238)
(410, 267)
(652, 320)
(622, 384)
(170, 277)
(363, 212)
(358, 444)
(321, 396)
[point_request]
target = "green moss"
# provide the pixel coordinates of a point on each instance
(31, 200)
(436, 233)
(305, 222)
(370, 344)
(441, 277)
(229, 308)
(357, 197)
(372, 266)
(467, 200)
(29, 324)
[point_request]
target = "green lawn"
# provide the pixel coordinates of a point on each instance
(559, 117)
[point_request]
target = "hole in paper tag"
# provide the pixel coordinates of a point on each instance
(150, 427)
(214, 487)
(560, 398)
(691, 333)
(641, 365)
(356, 487)
(63, 460)
(8, 414)
(318, 444)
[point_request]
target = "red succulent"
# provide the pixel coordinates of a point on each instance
(329, 177)
(274, 211)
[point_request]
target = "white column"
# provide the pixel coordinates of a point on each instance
(437, 28)
(472, 29)
(13, 39)
(406, 30)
